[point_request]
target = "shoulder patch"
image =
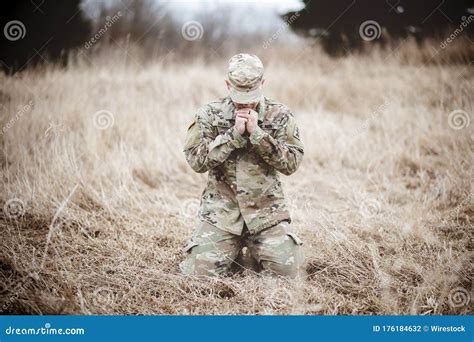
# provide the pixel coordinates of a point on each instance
(203, 111)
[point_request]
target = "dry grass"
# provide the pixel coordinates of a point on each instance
(383, 198)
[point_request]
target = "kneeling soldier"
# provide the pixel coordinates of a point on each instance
(244, 140)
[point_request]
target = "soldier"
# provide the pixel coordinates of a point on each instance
(244, 141)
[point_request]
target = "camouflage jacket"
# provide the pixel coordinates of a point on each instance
(243, 185)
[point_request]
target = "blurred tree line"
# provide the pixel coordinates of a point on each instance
(35, 31)
(337, 23)
(49, 29)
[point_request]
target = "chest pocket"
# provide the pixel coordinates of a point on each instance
(221, 125)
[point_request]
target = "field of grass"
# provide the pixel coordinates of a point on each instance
(97, 200)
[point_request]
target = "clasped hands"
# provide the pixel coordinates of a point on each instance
(246, 120)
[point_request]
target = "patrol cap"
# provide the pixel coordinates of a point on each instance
(245, 73)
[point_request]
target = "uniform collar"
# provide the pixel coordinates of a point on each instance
(261, 109)
(228, 109)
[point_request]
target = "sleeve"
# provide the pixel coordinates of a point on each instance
(204, 149)
(285, 151)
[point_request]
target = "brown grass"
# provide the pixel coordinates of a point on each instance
(383, 198)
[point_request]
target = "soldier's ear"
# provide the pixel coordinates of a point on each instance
(227, 84)
(263, 81)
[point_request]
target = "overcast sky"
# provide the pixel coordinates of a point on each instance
(247, 16)
(281, 6)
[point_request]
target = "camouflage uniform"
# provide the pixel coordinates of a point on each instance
(243, 202)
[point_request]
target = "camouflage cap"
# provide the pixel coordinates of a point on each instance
(245, 73)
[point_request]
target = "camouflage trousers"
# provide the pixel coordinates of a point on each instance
(211, 251)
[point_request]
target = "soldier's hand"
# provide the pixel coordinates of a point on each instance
(240, 124)
(251, 116)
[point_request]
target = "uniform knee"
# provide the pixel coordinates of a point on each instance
(207, 263)
(284, 259)
(286, 269)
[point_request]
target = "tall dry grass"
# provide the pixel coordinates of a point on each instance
(94, 219)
